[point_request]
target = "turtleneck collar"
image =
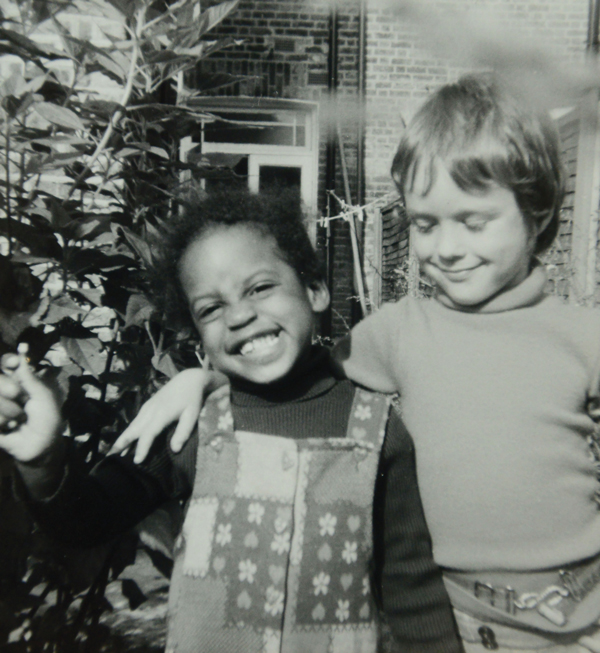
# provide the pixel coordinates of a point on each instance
(528, 293)
(311, 378)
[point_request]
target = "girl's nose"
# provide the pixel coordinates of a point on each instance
(240, 314)
(450, 244)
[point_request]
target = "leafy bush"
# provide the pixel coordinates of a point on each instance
(89, 167)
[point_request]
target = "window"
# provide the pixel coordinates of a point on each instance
(268, 142)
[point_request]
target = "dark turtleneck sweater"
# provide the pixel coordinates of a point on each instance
(90, 509)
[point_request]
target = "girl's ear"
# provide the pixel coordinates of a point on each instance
(318, 296)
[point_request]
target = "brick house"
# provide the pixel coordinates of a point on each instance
(301, 74)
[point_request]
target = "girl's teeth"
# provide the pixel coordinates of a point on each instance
(263, 342)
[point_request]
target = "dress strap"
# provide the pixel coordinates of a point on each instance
(368, 417)
(216, 415)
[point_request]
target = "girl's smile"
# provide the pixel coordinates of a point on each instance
(254, 315)
(472, 245)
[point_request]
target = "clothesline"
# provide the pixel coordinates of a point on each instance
(359, 211)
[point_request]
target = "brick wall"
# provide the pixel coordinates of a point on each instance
(402, 70)
(285, 50)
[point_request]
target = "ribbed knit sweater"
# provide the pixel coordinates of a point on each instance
(500, 403)
(89, 509)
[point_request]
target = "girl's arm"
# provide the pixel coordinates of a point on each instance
(181, 400)
(368, 354)
(35, 442)
(414, 598)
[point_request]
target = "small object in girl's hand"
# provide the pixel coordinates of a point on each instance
(23, 350)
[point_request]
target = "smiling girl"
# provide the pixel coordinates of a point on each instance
(289, 524)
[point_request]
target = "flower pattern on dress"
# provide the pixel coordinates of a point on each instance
(363, 412)
(327, 524)
(321, 583)
(223, 535)
(281, 543)
(343, 610)
(366, 586)
(225, 422)
(350, 552)
(255, 513)
(274, 602)
(247, 571)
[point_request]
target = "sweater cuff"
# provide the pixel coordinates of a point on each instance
(450, 644)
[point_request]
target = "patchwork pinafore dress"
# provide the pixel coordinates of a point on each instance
(275, 551)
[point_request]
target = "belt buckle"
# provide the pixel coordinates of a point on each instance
(508, 594)
(572, 584)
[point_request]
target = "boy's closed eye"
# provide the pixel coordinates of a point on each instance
(476, 222)
(423, 224)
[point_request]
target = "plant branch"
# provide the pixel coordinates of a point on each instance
(117, 115)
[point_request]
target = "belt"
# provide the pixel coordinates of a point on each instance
(556, 600)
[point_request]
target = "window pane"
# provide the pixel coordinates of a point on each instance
(279, 176)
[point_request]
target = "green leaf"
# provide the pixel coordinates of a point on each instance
(164, 363)
(139, 310)
(40, 242)
(88, 353)
(92, 295)
(137, 244)
(159, 151)
(58, 115)
(214, 15)
(111, 67)
(61, 307)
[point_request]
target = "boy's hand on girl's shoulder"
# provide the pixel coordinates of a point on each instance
(180, 400)
(30, 412)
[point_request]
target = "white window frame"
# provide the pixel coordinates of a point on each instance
(305, 157)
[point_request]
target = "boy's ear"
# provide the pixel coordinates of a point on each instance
(318, 296)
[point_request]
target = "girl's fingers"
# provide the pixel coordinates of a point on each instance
(9, 362)
(9, 388)
(185, 428)
(9, 410)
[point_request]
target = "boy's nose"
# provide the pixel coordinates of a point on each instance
(239, 315)
(450, 244)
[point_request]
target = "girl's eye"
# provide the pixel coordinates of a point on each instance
(261, 288)
(207, 313)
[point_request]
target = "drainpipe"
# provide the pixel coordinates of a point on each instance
(362, 66)
(593, 27)
(332, 81)
(587, 181)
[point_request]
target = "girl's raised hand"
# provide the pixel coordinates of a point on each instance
(33, 410)
(181, 400)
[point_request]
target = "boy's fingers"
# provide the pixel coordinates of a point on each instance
(185, 427)
(124, 441)
(142, 447)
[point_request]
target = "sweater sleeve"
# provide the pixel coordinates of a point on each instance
(369, 352)
(412, 593)
(91, 508)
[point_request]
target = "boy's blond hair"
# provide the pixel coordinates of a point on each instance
(484, 135)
